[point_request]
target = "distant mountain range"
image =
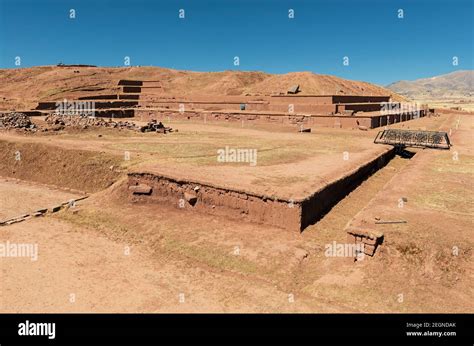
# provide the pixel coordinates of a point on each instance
(456, 84)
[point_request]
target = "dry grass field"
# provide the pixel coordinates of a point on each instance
(110, 255)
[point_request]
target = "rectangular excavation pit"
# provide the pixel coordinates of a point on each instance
(208, 199)
(277, 211)
(319, 203)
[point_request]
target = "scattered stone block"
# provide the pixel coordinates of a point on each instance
(141, 189)
(56, 208)
(371, 239)
(301, 254)
(369, 249)
(190, 198)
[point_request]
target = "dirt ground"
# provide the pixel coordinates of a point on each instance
(465, 104)
(107, 255)
(288, 164)
(22, 197)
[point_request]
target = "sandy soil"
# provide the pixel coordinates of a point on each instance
(223, 265)
(288, 164)
(21, 197)
(79, 269)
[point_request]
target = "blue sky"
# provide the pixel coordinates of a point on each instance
(381, 47)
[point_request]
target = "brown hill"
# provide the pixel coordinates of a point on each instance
(316, 84)
(22, 88)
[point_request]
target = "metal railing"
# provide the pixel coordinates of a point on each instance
(413, 138)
